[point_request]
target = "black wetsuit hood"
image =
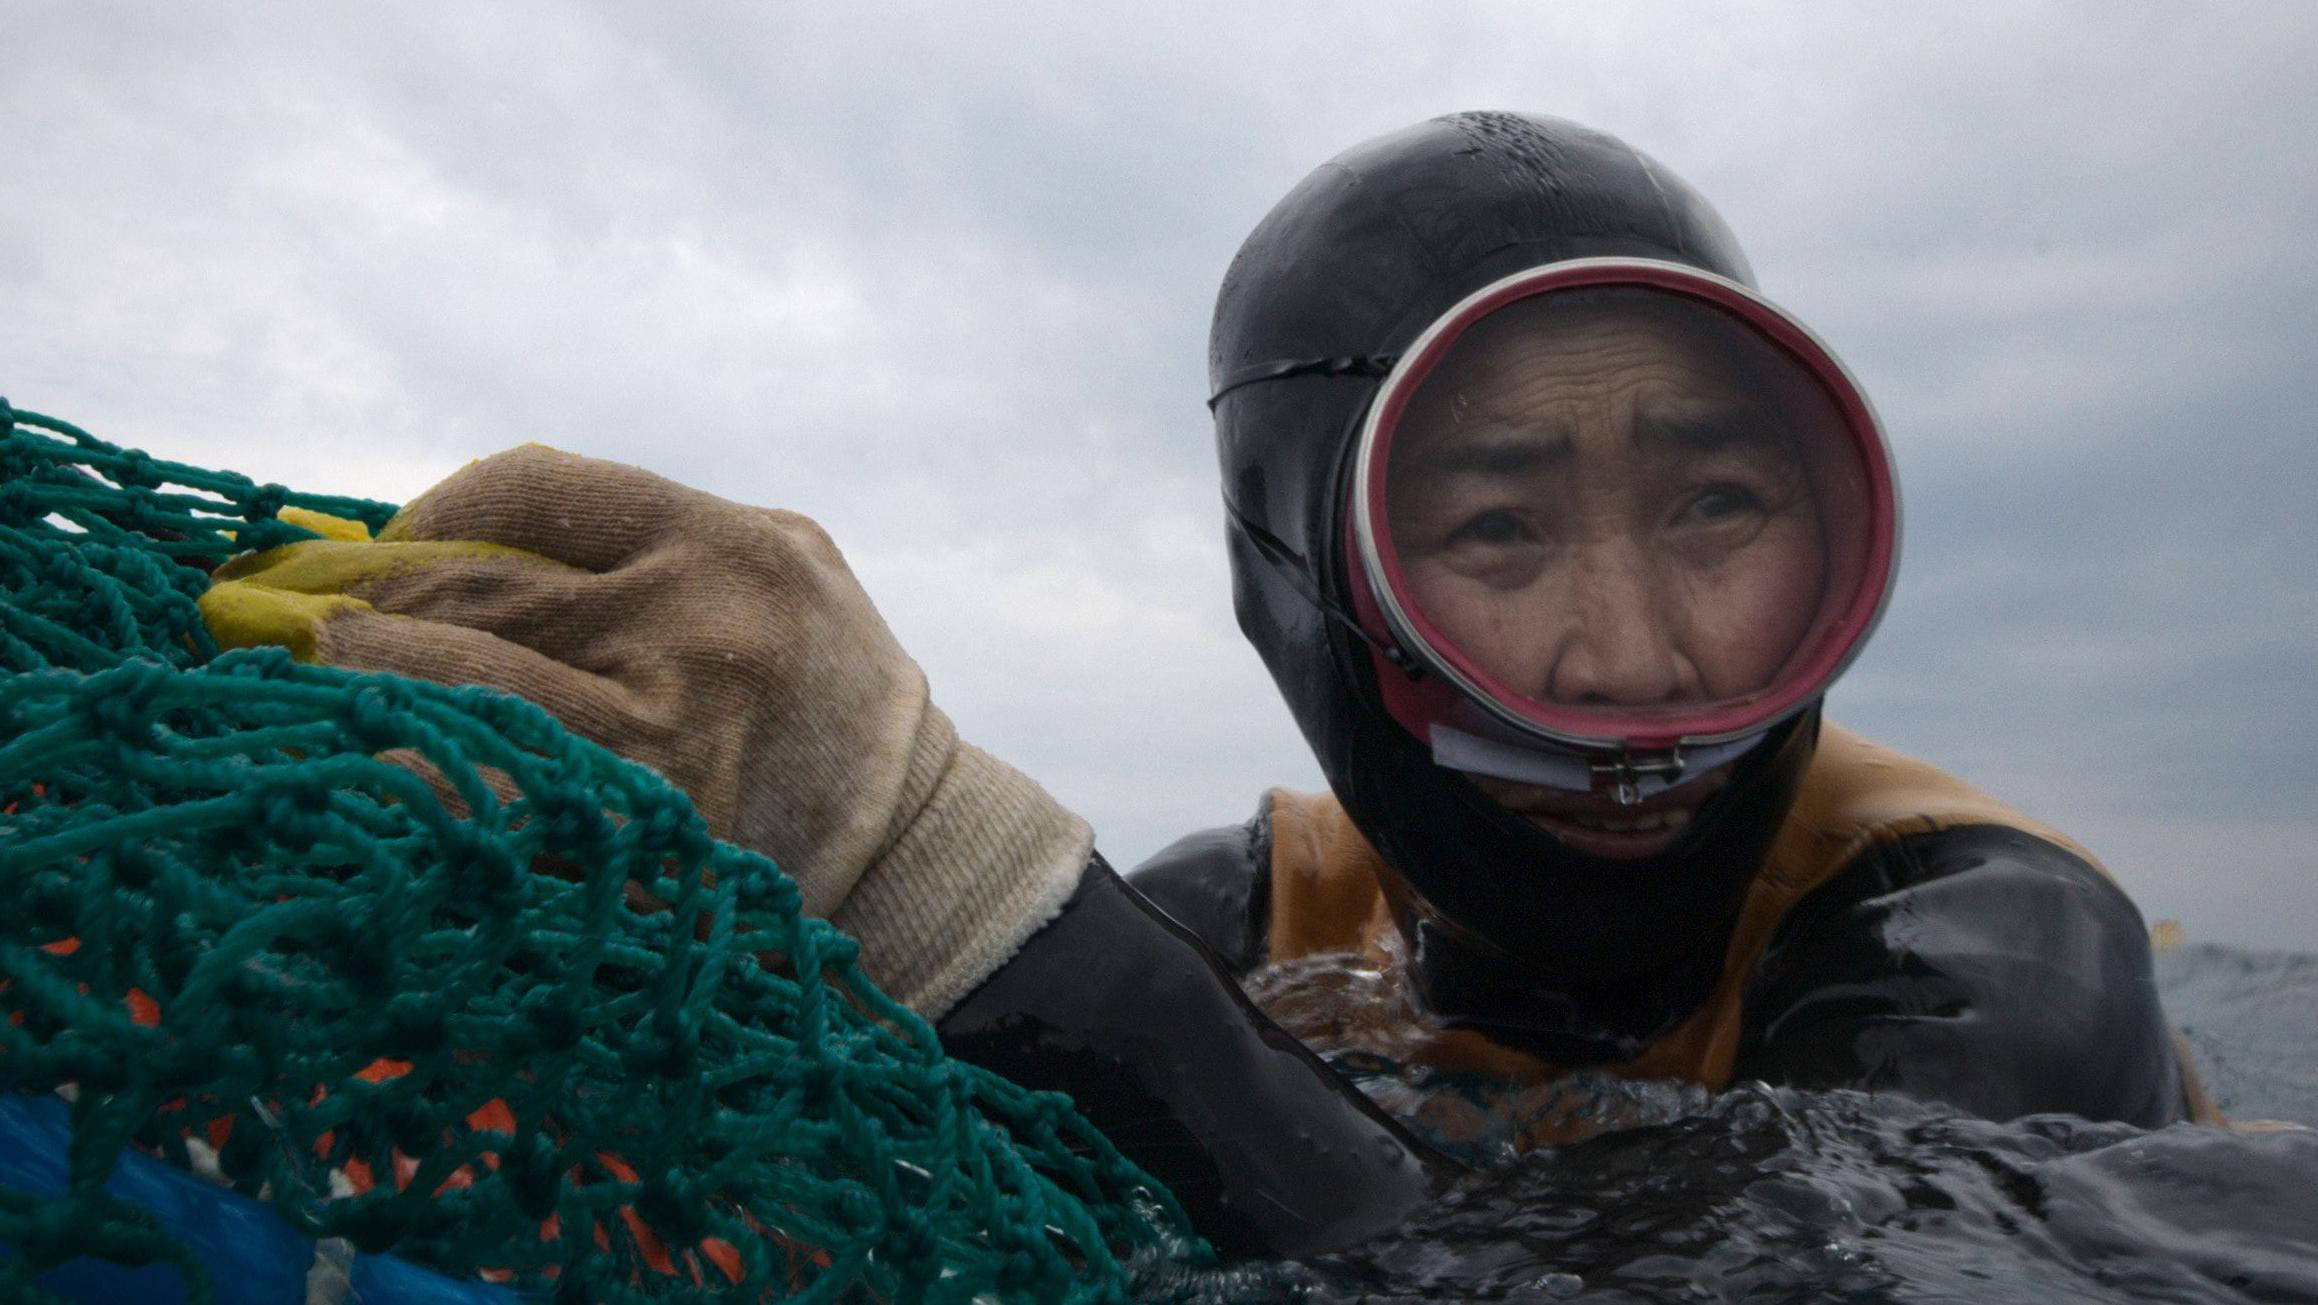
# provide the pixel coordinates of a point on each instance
(1513, 932)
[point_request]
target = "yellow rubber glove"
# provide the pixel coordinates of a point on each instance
(728, 648)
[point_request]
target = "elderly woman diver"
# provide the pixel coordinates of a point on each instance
(1553, 533)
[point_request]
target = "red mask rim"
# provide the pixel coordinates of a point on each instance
(1456, 685)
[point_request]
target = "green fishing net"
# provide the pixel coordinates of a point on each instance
(435, 976)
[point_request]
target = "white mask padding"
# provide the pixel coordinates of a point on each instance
(1568, 771)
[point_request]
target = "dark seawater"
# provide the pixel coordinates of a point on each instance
(1774, 1195)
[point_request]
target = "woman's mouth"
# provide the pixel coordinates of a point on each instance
(1597, 826)
(1670, 818)
(1599, 836)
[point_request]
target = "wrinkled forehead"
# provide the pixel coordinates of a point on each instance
(1651, 361)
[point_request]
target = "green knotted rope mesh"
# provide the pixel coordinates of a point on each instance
(551, 1034)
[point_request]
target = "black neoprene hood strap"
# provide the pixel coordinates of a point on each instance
(1372, 368)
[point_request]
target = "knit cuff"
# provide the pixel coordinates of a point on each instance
(989, 860)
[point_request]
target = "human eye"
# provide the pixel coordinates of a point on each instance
(1496, 528)
(1720, 503)
(1503, 547)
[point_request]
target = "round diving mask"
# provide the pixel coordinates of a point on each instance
(1612, 520)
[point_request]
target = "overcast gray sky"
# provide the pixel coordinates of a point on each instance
(941, 276)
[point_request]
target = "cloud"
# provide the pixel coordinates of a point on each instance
(943, 282)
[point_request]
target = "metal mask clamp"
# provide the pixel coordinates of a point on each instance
(1624, 773)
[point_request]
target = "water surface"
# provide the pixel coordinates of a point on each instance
(1775, 1195)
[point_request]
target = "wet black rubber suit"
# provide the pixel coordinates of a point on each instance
(1979, 965)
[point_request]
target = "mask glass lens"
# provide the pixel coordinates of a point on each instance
(1621, 512)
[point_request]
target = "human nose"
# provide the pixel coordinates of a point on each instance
(1622, 649)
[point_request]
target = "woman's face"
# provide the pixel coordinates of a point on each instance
(1603, 513)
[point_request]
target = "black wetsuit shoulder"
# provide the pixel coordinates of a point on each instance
(1269, 1150)
(1979, 965)
(1217, 884)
